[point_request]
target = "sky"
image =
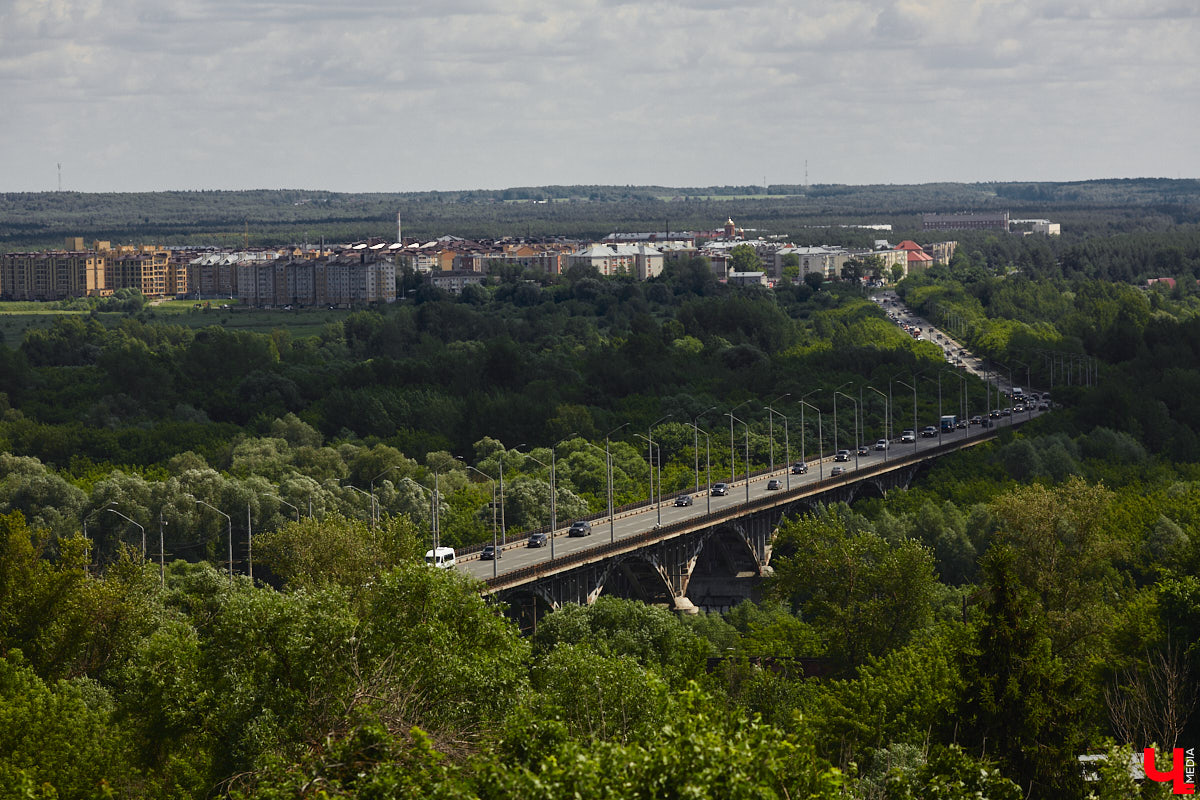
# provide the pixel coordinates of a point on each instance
(417, 95)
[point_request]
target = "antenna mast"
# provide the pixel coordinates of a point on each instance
(60, 176)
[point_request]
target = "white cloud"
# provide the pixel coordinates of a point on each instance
(379, 95)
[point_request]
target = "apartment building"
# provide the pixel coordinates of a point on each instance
(53, 275)
(350, 280)
(966, 221)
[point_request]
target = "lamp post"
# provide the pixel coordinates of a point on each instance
(852, 400)
(612, 535)
(803, 432)
(649, 449)
(162, 550)
(746, 428)
(771, 427)
(367, 495)
(553, 507)
(696, 442)
(707, 468)
(495, 557)
(835, 422)
(286, 503)
(787, 449)
(88, 516)
(374, 508)
(732, 454)
(886, 417)
(654, 446)
(230, 520)
(912, 386)
(141, 527)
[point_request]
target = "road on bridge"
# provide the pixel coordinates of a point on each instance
(517, 555)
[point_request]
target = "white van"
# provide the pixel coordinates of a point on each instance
(441, 557)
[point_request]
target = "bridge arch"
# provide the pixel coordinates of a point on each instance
(635, 577)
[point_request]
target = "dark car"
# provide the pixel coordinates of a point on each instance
(683, 500)
(799, 468)
(536, 540)
(929, 432)
(491, 552)
(976, 420)
(774, 484)
(580, 528)
(841, 455)
(863, 450)
(720, 489)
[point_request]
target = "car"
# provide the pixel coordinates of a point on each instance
(838, 470)
(774, 484)
(580, 528)
(882, 444)
(994, 413)
(908, 436)
(841, 455)
(537, 539)
(1044, 405)
(490, 552)
(683, 500)
(1006, 412)
(863, 450)
(719, 489)
(929, 432)
(962, 423)
(976, 420)
(799, 468)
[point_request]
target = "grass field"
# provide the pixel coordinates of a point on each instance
(17, 318)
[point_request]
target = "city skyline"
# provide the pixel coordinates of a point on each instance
(417, 96)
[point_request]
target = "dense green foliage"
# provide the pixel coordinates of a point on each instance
(1024, 602)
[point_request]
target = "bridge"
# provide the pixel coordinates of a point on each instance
(709, 555)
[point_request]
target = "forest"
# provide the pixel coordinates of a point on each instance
(267, 218)
(1025, 603)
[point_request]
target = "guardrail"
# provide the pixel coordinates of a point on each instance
(570, 561)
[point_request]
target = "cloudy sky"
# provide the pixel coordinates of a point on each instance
(409, 95)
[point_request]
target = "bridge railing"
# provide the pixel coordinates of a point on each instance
(661, 532)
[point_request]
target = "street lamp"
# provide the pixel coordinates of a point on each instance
(495, 557)
(912, 386)
(650, 438)
(696, 442)
(553, 504)
(230, 520)
(370, 497)
(653, 446)
(374, 509)
(707, 468)
(140, 526)
(746, 428)
(88, 516)
(433, 516)
(852, 400)
(732, 454)
(886, 417)
(771, 427)
(286, 503)
(787, 448)
(612, 535)
(803, 433)
(835, 422)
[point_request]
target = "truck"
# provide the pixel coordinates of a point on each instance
(949, 421)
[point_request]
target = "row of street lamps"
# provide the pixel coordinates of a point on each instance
(654, 458)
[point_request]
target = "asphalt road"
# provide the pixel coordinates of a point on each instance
(516, 555)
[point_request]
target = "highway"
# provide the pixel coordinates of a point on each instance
(516, 555)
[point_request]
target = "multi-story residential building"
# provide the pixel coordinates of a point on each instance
(144, 269)
(352, 279)
(966, 221)
(52, 275)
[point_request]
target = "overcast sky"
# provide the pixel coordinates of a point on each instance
(410, 95)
